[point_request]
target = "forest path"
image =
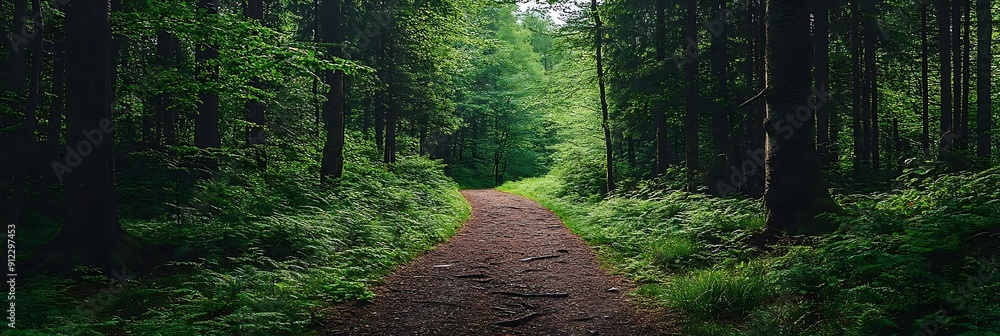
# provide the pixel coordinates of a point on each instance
(472, 284)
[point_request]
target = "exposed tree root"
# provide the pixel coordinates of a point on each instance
(519, 321)
(541, 257)
(552, 295)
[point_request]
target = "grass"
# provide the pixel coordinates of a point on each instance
(920, 257)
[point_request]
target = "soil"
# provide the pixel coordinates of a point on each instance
(513, 269)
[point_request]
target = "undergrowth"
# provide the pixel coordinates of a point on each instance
(919, 260)
(248, 253)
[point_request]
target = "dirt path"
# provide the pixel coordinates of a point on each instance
(471, 284)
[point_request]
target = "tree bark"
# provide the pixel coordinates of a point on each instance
(19, 42)
(984, 71)
(606, 123)
(54, 131)
(857, 93)
(392, 106)
(660, 112)
(963, 122)
(871, 122)
(721, 124)
(794, 192)
(944, 52)
(166, 50)
(332, 32)
(255, 107)
(822, 35)
(691, 90)
(26, 133)
(925, 88)
(206, 133)
(91, 233)
(956, 60)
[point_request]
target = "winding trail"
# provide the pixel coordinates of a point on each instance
(482, 282)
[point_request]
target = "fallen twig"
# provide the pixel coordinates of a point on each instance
(520, 305)
(552, 295)
(519, 321)
(476, 275)
(541, 257)
(505, 310)
(439, 302)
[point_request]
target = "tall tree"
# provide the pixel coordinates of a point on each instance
(691, 88)
(333, 36)
(254, 10)
(857, 91)
(963, 121)
(26, 133)
(984, 120)
(822, 36)
(794, 193)
(56, 107)
(606, 123)
(16, 62)
(660, 112)
(956, 85)
(721, 125)
(91, 233)
(944, 52)
(392, 109)
(871, 117)
(166, 116)
(206, 133)
(925, 85)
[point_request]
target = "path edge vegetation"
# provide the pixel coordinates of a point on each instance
(909, 261)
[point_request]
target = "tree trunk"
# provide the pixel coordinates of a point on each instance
(26, 134)
(753, 184)
(91, 233)
(166, 54)
(944, 51)
(956, 57)
(630, 150)
(606, 123)
(871, 122)
(691, 90)
(963, 122)
(54, 131)
(19, 41)
(794, 192)
(721, 124)
(392, 112)
(317, 109)
(897, 143)
(857, 93)
(332, 32)
(381, 100)
(660, 112)
(255, 107)
(925, 88)
(206, 134)
(822, 35)
(984, 71)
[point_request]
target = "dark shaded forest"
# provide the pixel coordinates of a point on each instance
(753, 167)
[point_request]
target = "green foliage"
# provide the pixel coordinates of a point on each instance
(260, 253)
(503, 99)
(920, 257)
